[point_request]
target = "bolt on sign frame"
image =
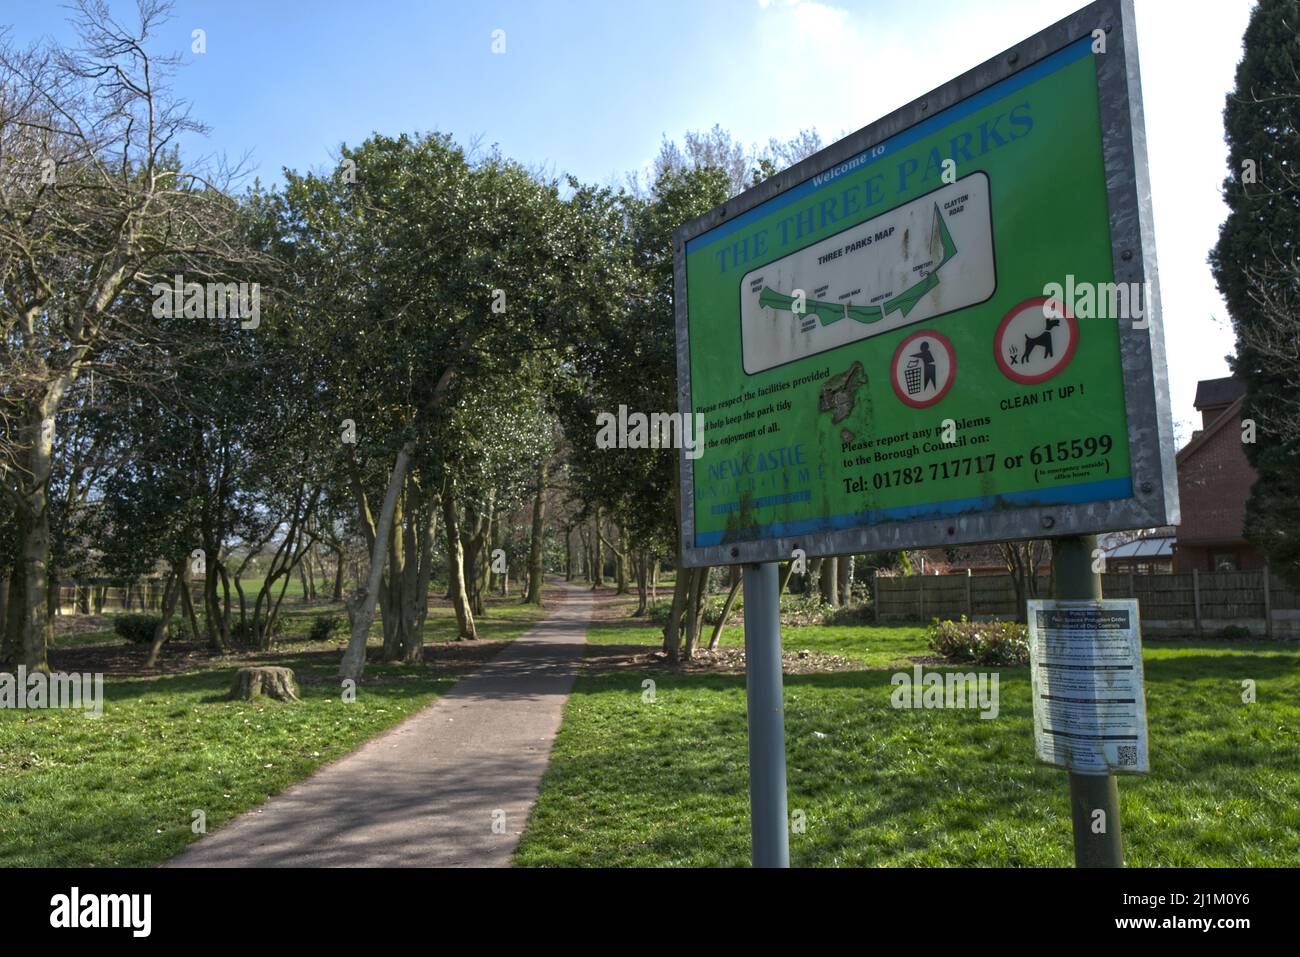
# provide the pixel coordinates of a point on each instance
(942, 329)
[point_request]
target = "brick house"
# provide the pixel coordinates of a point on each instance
(1214, 481)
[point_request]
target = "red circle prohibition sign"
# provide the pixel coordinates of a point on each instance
(1037, 302)
(952, 368)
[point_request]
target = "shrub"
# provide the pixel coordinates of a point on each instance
(658, 611)
(1233, 633)
(713, 606)
(325, 627)
(855, 614)
(136, 627)
(980, 642)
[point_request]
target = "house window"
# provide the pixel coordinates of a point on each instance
(1223, 562)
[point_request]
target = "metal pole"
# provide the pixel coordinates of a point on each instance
(1073, 578)
(767, 799)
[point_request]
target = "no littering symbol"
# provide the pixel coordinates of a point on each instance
(924, 368)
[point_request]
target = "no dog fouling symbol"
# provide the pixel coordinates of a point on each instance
(1035, 340)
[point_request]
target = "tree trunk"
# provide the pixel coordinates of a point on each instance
(16, 616)
(225, 600)
(418, 611)
(170, 594)
(354, 659)
(311, 574)
(736, 579)
(218, 640)
(597, 559)
(187, 604)
(620, 563)
(338, 574)
(786, 572)
(699, 578)
(33, 516)
(534, 594)
(642, 591)
(673, 630)
(829, 580)
(37, 629)
(394, 609)
(5, 576)
(483, 542)
(37, 632)
(459, 594)
(243, 603)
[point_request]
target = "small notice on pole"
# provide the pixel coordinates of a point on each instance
(1085, 658)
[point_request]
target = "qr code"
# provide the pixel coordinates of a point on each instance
(1128, 755)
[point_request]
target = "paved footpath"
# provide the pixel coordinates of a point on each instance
(424, 793)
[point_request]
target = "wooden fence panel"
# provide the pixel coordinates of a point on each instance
(1224, 596)
(1227, 596)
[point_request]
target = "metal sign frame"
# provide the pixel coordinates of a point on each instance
(1154, 501)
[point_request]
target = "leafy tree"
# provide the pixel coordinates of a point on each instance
(1257, 266)
(432, 287)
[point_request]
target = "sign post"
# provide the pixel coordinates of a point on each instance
(768, 821)
(1094, 846)
(943, 329)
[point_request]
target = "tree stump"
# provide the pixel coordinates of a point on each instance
(277, 683)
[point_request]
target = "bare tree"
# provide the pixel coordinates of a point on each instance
(744, 165)
(1022, 560)
(94, 210)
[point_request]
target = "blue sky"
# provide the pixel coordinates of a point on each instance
(591, 87)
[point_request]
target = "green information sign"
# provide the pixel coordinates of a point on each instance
(943, 329)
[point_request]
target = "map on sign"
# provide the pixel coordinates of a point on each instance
(927, 257)
(875, 338)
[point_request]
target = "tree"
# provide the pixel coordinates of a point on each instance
(1257, 267)
(633, 363)
(93, 206)
(432, 289)
(1022, 560)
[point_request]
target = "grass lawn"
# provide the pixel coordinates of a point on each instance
(120, 790)
(874, 646)
(664, 783)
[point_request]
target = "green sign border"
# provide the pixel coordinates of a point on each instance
(1153, 499)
